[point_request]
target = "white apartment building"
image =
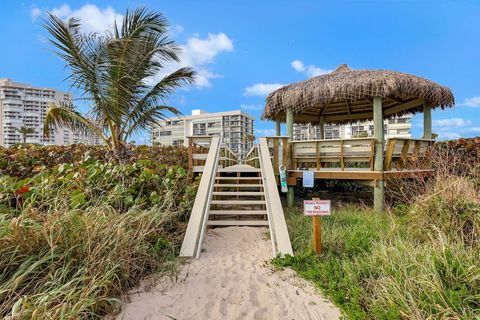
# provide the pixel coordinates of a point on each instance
(234, 127)
(399, 127)
(23, 105)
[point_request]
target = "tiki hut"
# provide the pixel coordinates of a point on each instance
(347, 95)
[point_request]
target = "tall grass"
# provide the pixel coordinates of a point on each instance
(75, 264)
(421, 261)
(75, 237)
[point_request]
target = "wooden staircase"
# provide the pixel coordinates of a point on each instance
(235, 195)
(238, 198)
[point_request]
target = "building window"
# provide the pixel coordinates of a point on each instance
(165, 133)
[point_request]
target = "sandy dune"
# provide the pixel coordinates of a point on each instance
(231, 281)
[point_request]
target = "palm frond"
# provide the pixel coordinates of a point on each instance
(63, 115)
(145, 119)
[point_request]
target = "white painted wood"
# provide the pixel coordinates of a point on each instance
(278, 227)
(238, 178)
(238, 212)
(238, 193)
(238, 223)
(239, 168)
(193, 234)
(238, 185)
(235, 202)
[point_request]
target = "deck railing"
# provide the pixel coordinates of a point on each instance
(400, 152)
(252, 157)
(198, 148)
(343, 154)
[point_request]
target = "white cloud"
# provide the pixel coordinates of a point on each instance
(175, 30)
(298, 65)
(447, 135)
(472, 102)
(310, 70)
(35, 13)
(203, 51)
(265, 132)
(261, 89)
(92, 18)
(453, 122)
(251, 107)
(196, 53)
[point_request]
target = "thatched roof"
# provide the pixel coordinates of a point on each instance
(346, 95)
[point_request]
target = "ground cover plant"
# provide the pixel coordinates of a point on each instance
(417, 261)
(26, 160)
(77, 235)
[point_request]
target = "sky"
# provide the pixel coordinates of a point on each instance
(242, 50)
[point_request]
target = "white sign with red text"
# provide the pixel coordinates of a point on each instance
(316, 207)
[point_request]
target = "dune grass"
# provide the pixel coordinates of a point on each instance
(74, 238)
(416, 262)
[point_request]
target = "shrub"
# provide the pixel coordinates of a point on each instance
(24, 161)
(75, 236)
(91, 182)
(75, 264)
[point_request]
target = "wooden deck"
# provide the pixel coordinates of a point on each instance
(360, 174)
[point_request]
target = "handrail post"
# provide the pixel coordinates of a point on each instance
(378, 193)
(291, 189)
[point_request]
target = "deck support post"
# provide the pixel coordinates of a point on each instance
(291, 189)
(278, 128)
(427, 121)
(321, 127)
(378, 127)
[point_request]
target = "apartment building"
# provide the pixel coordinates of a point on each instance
(399, 127)
(234, 127)
(23, 105)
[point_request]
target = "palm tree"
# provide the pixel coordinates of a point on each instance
(117, 74)
(24, 131)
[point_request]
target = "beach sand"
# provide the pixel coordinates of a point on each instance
(231, 280)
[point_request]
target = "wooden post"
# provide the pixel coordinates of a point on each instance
(291, 189)
(190, 153)
(378, 192)
(317, 234)
(321, 127)
(278, 127)
(427, 121)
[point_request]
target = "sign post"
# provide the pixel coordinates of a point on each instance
(316, 208)
(283, 178)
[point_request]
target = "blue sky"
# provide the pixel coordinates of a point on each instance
(244, 49)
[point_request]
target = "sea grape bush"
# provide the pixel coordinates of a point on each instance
(90, 182)
(27, 160)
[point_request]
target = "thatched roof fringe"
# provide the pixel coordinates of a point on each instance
(345, 87)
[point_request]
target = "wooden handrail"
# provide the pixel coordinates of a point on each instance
(278, 227)
(191, 245)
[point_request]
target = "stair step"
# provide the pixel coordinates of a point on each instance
(233, 185)
(238, 193)
(238, 178)
(237, 202)
(229, 169)
(237, 212)
(237, 222)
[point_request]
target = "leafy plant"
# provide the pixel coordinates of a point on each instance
(116, 72)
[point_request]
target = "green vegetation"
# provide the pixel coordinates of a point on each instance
(117, 72)
(25, 161)
(75, 236)
(419, 261)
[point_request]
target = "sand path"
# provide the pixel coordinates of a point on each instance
(231, 280)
